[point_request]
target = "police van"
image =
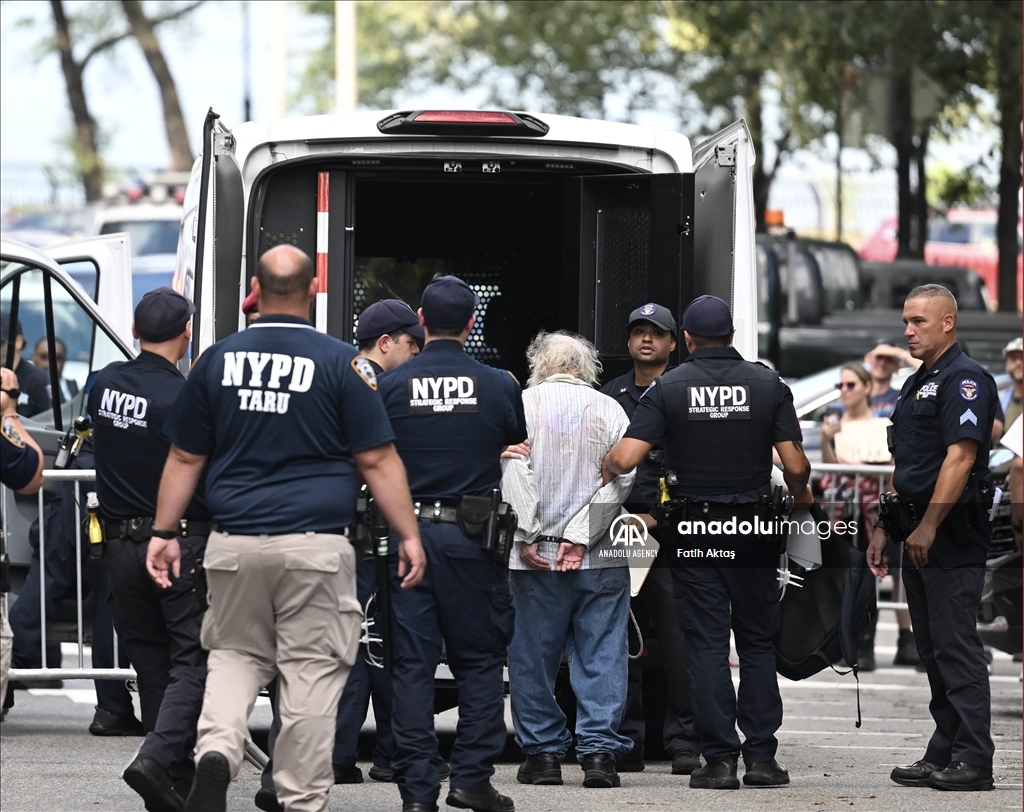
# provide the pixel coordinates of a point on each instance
(556, 222)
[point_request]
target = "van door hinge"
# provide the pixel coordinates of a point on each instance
(726, 155)
(223, 144)
(684, 227)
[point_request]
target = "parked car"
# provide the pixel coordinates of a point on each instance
(963, 237)
(885, 285)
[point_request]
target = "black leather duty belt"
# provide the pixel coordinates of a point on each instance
(435, 512)
(696, 508)
(141, 528)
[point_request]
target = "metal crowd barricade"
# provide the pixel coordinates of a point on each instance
(860, 472)
(253, 754)
(81, 672)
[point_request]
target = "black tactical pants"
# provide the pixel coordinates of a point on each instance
(160, 629)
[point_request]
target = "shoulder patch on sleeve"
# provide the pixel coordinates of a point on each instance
(364, 369)
(11, 434)
(969, 389)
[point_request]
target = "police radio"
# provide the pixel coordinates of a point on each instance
(71, 442)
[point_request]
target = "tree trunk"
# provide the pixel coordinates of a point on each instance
(921, 197)
(174, 122)
(902, 135)
(1008, 79)
(90, 163)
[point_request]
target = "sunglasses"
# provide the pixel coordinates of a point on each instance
(846, 385)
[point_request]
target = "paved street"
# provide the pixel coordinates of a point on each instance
(48, 761)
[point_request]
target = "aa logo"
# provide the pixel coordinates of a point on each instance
(627, 530)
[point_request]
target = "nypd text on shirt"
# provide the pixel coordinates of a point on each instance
(123, 411)
(718, 402)
(444, 393)
(260, 389)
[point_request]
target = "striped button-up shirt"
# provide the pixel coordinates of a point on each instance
(557, 490)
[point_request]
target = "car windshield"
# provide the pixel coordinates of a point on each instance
(147, 236)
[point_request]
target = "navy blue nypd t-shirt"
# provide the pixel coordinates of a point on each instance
(452, 416)
(280, 409)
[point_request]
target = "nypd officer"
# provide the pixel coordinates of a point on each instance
(942, 430)
(651, 339)
(718, 417)
(287, 417)
(21, 468)
(130, 403)
(388, 334)
(452, 417)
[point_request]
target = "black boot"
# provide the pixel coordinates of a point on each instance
(906, 649)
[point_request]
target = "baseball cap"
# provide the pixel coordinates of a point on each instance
(388, 316)
(162, 315)
(708, 316)
(250, 303)
(657, 315)
(1017, 345)
(448, 302)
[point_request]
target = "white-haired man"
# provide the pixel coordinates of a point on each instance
(567, 596)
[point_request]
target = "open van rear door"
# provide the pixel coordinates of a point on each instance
(664, 238)
(210, 246)
(724, 260)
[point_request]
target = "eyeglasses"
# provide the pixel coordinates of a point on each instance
(846, 385)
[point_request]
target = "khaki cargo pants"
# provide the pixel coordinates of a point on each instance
(280, 605)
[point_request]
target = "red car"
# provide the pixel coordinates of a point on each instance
(965, 237)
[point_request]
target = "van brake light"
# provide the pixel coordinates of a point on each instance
(462, 123)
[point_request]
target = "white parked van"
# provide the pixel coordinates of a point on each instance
(556, 222)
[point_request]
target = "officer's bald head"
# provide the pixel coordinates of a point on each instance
(284, 273)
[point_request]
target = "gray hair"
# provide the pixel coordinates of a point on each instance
(562, 352)
(933, 292)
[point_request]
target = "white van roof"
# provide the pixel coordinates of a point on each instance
(645, 148)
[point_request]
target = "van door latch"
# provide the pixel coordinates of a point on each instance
(223, 144)
(726, 155)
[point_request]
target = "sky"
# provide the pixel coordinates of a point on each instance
(205, 57)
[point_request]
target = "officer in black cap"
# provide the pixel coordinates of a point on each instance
(452, 416)
(33, 383)
(941, 434)
(129, 403)
(718, 417)
(389, 333)
(651, 339)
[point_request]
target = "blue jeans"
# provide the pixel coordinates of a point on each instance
(584, 613)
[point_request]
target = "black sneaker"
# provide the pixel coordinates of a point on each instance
(915, 775)
(599, 771)
(684, 762)
(347, 775)
(766, 774)
(720, 775)
(210, 788)
(962, 777)
(105, 723)
(631, 765)
(266, 799)
(541, 768)
(480, 800)
(149, 778)
(906, 649)
(386, 774)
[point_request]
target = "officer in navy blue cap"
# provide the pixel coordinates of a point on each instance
(651, 337)
(718, 418)
(452, 416)
(130, 402)
(389, 333)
